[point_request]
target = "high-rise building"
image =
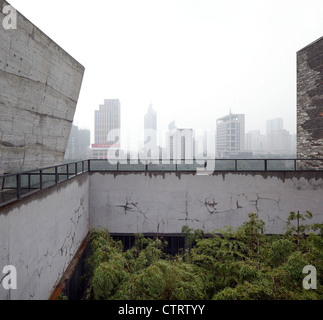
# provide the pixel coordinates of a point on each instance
(84, 142)
(256, 142)
(201, 144)
(150, 133)
(78, 147)
(230, 133)
(107, 126)
(179, 143)
(274, 125)
(278, 140)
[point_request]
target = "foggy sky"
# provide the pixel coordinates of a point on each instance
(193, 59)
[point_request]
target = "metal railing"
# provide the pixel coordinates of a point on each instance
(16, 186)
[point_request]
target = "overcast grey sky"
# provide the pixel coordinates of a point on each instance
(193, 59)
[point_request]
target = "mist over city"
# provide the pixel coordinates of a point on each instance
(195, 61)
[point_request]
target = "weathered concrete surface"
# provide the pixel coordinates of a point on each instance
(39, 89)
(310, 102)
(40, 235)
(163, 203)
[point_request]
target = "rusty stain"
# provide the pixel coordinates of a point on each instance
(57, 292)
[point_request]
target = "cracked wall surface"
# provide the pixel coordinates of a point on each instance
(41, 235)
(39, 88)
(137, 202)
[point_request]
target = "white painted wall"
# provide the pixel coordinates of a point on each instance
(40, 236)
(136, 202)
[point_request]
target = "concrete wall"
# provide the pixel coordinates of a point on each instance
(40, 235)
(39, 89)
(310, 101)
(137, 202)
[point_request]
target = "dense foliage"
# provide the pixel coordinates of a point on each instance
(229, 264)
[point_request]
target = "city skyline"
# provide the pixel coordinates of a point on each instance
(216, 142)
(194, 60)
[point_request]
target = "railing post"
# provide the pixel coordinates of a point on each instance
(266, 164)
(56, 175)
(18, 187)
(89, 166)
(295, 165)
(40, 179)
(29, 182)
(236, 165)
(75, 168)
(67, 174)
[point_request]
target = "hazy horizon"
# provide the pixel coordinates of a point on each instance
(193, 60)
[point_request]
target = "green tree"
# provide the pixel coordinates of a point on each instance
(241, 264)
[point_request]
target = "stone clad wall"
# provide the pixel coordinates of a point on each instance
(310, 101)
(39, 90)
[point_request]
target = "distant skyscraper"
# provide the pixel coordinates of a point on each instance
(230, 133)
(78, 147)
(180, 143)
(84, 137)
(274, 125)
(151, 118)
(278, 139)
(150, 132)
(279, 142)
(107, 127)
(256, 142)
(107, 118)
(72, 145)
